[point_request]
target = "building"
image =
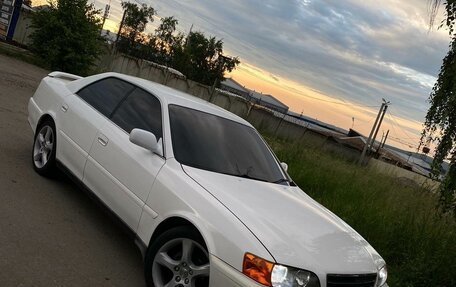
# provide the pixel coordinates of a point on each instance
(353, 133)
(230, 85)
(268, 101)
(9, 15)
(23, 28)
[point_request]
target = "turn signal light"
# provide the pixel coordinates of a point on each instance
(258, 269)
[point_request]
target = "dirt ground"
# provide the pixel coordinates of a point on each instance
(51, 233)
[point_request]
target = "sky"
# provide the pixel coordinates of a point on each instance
(333, 60)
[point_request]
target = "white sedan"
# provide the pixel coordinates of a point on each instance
(206, 198)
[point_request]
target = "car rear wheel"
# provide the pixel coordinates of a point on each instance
(43, 152)
(178, 258)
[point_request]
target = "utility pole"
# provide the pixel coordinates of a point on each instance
(121, 26)
(383, 141)
(385, 108)
(363, 154)
(106, 14)
(188, 37)
(386, 137)
(375, 128)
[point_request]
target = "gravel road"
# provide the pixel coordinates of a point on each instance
(51, 233)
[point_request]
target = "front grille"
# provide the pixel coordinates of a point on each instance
(358, 280)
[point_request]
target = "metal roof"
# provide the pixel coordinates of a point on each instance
(229, 82)
(268, 99)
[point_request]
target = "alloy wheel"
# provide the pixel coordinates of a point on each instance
(42, 149)
(181, 262)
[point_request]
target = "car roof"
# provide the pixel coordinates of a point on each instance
(172, 96)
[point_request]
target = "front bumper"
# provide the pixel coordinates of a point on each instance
(224, 275)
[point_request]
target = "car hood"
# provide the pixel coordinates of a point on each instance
(295, 229)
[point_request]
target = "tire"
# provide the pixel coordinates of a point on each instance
(166, 261)
(43, 149)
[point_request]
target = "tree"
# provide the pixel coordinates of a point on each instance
(196, 56)
(134, 24)
(164, 42)
(201, 59)
(67, 35)
(440, 123)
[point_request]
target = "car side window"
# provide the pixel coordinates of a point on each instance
(139, 110)
(105, 95)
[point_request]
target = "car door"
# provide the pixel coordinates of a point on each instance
(81, 117)
(118, 171)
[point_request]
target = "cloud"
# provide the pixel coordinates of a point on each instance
(355, 50)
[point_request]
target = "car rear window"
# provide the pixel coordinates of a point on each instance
(106, 94)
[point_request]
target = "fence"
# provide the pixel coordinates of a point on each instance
(392, 170)
(268, 122)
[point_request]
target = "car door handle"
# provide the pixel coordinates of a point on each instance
(103, 140)
(64, 108)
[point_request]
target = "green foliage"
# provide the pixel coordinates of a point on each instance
(450, 13)
(440, 124)
(134, 24)
(398, 219)
(165, 42)
(67, 35)
(199, 58)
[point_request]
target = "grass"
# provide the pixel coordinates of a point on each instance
(21, 54)
(401, 222)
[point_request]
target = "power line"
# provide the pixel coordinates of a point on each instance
(397, 138)
(399, 126)
(341, 103)
(365, 122)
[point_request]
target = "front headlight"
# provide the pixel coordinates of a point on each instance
(382, 276)
(275, 275)
(283, 276)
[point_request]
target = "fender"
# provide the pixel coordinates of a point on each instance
(181, 197)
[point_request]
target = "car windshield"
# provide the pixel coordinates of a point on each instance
(213, 143)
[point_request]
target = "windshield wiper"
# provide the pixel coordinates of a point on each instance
(283, 180)
(245, 175)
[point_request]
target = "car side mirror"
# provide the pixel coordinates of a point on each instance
(284, 166)
(146, 140)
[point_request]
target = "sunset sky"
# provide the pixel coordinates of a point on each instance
(332, 60)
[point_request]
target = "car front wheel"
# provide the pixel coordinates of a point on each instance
(43, 156)
(178, 258)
